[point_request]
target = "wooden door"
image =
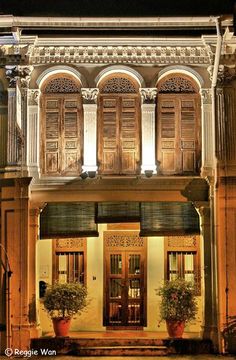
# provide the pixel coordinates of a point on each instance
(125, 285)
(119, 129)
(178, 134)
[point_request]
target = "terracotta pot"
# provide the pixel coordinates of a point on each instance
(61, 326)
(175, 328)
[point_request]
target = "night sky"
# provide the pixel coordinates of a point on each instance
(116, 7)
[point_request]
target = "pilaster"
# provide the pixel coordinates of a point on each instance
(33, 131)
(90, 128)
(208, 312)
(148, 107)
(207, 133)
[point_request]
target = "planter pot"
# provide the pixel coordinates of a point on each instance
(61, 326)
(175, 328)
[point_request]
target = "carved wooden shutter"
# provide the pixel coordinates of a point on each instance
(109, 135)
(71, 136)
(167, 134)
(129, 135)
(119, 134)
(188, 133)
(61, 145)
(178, 134)
(52, 131)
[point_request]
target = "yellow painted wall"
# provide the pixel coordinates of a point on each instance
(92, 318)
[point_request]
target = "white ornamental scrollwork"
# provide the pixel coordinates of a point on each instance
(148, 95)
(206, 95)
(17, 72)
(90, 94)
(33, 96)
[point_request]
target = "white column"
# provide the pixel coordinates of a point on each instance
(90, 128)
(33, 132)
(148, 130)
(12, 148)
(207, 134)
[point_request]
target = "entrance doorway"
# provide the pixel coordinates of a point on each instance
(125, 280)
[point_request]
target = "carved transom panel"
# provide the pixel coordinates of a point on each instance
(118, 85)
(177, 84)
(181, 241)
(70, 244)
(62, 85)
(123, 240)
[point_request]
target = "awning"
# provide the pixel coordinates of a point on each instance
(78, 219)
(172, 218)
(113, 212)
(68, 220)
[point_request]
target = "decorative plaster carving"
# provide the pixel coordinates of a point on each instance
(90, 94)
(182, 241)
(70, 243)
(177, 84)
(33, 96)
(117, 54)
(17, 72)
(62, 85)
(206, 95)
(148, 95)
(225, 75)
(118, 85)
(118, 240)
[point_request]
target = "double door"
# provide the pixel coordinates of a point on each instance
(125, 288)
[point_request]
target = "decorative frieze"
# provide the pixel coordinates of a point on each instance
(116, 54)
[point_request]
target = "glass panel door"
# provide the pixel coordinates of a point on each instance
(124, 293)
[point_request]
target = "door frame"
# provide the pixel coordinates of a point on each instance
(120, 241)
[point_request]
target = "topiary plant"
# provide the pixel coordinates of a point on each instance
(65, 300)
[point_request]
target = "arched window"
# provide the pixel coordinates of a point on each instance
(61, 126)
(178, 125)
(119, 125)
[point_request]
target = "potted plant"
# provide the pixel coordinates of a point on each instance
(62, 301)
(178, 305)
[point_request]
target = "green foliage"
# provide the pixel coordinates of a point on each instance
(178, 301)
(65, 300)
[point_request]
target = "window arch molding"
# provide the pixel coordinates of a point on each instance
(57, 70)
(185, 70)
(116, 69)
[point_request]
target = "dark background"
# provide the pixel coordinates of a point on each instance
(116, 8)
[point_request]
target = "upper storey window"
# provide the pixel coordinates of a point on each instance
(178, 129)
(61, 127)
(119, 126)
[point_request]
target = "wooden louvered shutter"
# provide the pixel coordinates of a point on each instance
(62, 135)
(129, 135)
(109, 135)
(71, 136)
(178, 134)
(167, 134)
(52, 141)
(188, 133)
